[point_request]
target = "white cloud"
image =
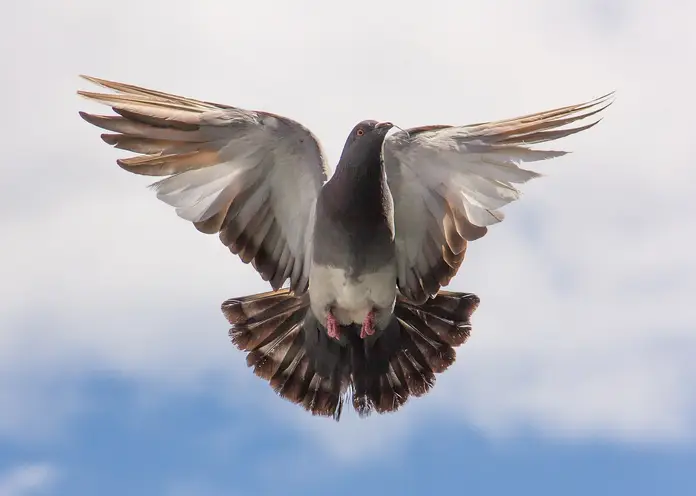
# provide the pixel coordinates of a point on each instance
(586, 322)
(27, 480)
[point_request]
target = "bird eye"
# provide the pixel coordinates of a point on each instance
(360, 132)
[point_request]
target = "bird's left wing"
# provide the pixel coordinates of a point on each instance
(448, 183)
(251, 176)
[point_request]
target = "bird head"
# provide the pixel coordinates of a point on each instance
(367, 136)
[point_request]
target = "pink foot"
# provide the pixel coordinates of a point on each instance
(368, 327)
(332, 327)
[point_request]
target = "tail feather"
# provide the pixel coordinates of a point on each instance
(292, 382)
(379, 373)
(251, 336)
(436, 353)
(269, 327)
(419, 377)
(268, 357)
(448, 315)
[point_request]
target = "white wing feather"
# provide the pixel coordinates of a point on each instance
(251, 176)
(449, 183)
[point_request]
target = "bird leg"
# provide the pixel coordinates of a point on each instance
(368, 327)
(332, 327)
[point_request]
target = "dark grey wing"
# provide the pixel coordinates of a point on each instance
(448, 183)
(252, 176)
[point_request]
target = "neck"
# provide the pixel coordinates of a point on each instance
(360, 171)
(357, 185)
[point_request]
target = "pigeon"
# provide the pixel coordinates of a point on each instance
(357, 260)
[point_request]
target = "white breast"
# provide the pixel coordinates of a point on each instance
(351, 299)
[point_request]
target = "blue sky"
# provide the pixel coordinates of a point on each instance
(195, 445)
(116, 372)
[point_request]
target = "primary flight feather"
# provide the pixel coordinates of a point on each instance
(366, 251)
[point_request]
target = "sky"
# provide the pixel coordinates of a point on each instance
(116, 371)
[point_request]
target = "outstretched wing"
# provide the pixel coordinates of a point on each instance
(252, 177)
(448, 183)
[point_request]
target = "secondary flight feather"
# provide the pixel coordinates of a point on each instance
(366, 251)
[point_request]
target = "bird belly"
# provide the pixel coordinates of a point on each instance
(351, 298)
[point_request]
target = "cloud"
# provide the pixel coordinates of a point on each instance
(26, 480)
(586, 322)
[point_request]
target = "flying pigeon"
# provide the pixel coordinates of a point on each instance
(366, 250)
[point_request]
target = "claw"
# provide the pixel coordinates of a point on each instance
(332, 327)
(368, 327)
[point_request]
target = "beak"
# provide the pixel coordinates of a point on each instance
(384, 125)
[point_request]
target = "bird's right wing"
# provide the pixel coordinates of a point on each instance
(252, 177)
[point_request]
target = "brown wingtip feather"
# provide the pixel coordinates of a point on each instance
(106, 83)
(91, 79)
(152, 96)
(533, 128)
(88, 117)
(166, 165)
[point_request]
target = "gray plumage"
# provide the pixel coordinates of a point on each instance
(366, 252)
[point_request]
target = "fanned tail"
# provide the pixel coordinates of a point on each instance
(423, 344)
(286, 348)
(269, 326)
